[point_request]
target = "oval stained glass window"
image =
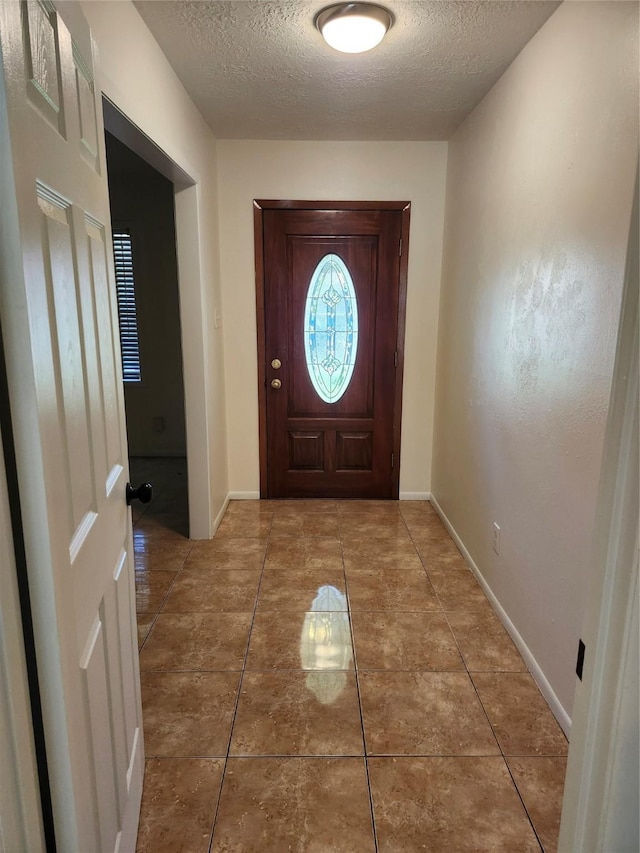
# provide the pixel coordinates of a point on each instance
(331, 328)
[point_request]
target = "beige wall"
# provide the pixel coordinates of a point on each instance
(142, 201)
(342, 171)
(539, 193)
(136, 76)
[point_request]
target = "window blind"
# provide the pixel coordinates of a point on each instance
(125, 286)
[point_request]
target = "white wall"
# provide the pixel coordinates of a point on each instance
(414, 171)
(137, 77)
(539, 194)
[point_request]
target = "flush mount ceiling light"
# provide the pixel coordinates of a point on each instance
(353, 27)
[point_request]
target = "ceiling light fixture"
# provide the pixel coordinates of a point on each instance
(353, 27)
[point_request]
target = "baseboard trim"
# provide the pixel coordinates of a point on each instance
(532, 665)
(219, 516)
(233, 496)
(254, 496)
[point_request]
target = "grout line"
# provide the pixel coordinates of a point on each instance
(526, 810)
(504, 757)
(162, 603)
(357, 679)
(237, 702)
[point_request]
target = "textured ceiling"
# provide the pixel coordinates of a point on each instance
(261, 70)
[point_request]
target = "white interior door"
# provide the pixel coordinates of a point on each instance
(59, 319)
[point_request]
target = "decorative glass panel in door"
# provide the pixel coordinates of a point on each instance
(331, 328)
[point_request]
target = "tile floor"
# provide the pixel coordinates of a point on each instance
(328, 676)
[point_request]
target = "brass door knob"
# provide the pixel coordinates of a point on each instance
(275, 383)
(276, 364)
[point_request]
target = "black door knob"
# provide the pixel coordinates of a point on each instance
(143, 493)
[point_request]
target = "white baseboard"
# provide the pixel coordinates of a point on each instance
(255, 496)
(220, 515)
(532, 665)
(233, 496)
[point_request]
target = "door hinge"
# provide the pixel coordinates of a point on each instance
(580, 661)
(400, 248)
(392, 455)
(395, 358)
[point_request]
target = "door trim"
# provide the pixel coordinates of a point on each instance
(259, 207)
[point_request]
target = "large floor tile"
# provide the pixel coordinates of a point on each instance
(248, 510)
(389, 589)
(197, 641)
(541, 785)
(155, 536)
(366, 553)
(188, 713)
(382, 511)
(484, 643)
(151, 590)
(434, 547)
(298, 713)
(306, 525)
(246, 554)
(302, 805)
(301, 506)
(303, 589)
(433, 713)
(363, 526)
(159, 556)
(145, 621)
(448, 805)
(172, 527)
(440, 554)
(178, 804)
(244, 528)
(290, 553)
(426, 526)
(383, 560)
(292, 640)
(458, 590)
(405, 641)
(203, 591)
(520, 717)
(418, 509)
(350, 506)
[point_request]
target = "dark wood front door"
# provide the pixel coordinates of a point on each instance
(331, 296)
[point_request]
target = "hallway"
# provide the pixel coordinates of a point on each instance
(328, 676)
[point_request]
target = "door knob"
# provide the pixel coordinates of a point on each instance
(275, 383)
(143, 493)
(276, 364)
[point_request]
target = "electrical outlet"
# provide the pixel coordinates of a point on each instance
(496, 538)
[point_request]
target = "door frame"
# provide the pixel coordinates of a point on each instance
(187, 233)
(601, 767)
(259, 208)
(26, 819)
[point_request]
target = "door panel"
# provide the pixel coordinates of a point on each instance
(347, 447)
(62, 350)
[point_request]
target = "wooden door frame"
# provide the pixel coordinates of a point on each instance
(259, 208)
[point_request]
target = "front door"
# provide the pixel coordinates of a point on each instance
(331, 373)
(59, 324)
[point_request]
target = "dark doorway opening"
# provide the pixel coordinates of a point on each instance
(143, 224)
